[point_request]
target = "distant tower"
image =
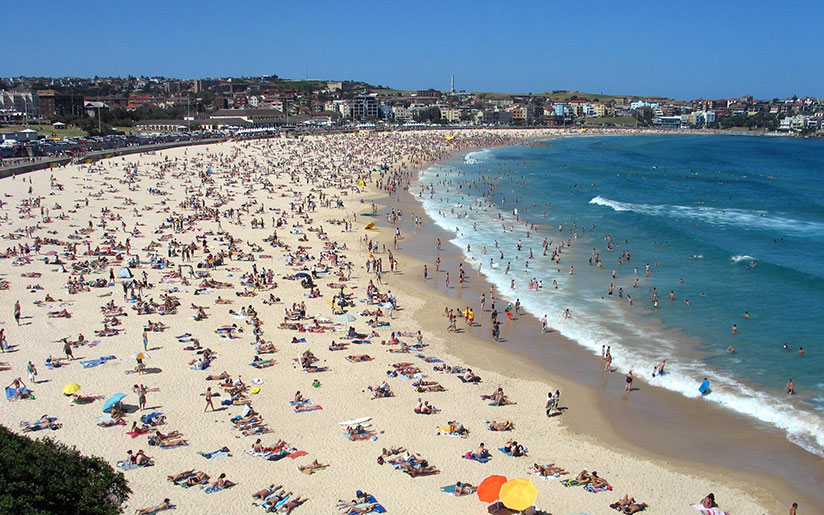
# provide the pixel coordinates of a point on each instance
(452, 88)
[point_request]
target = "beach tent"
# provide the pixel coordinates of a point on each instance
(113, 400)
(124, 273)
(518, 494)
(303, 275)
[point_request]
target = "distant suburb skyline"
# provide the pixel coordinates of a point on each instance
(684, 50)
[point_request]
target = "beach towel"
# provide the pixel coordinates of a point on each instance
(709, 511)
(479, 459)
(526, 451)
(596, 489)
(213, 489)
(127, 465)
(135, 434)
(182, 444)
(445, 431)
(307, 407)
(11, 393)
(214, 454)
(571, 482)
(146, 419)
(358, 437)
(300, 403)
(296, 454)
(281, 502)
(311, 471)
(378, 508)
(545, 478)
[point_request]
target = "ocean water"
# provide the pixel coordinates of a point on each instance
(732, 225)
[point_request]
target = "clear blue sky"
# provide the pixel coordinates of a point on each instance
(679, 49)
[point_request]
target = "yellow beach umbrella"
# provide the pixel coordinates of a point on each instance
(71, 389)
(518, 494)
(370, 225)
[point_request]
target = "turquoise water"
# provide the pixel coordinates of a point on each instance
(730, 224)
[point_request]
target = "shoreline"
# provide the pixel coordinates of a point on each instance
(655, 444)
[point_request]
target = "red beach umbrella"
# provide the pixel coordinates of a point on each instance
(490, 487)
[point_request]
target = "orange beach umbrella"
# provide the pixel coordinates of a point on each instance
(490, 487)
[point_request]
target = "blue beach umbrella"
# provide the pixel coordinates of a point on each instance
(114, 399)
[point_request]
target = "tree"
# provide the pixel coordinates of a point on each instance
(44, 476)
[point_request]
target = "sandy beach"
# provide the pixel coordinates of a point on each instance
(208, 242)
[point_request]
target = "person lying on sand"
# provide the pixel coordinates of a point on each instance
(165, 505)
(266, 492)
(199, 478)
(315, 465)
(514, 448)
(138, 458)
(288, 506)
(596, 481)
(548, 470)
(709, 501)
(222, 482)
(634, 508)
(501, 426)
(393, 451)
(174, 478)
(464, 489)
(428, 386)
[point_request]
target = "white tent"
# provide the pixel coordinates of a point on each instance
(124, 273)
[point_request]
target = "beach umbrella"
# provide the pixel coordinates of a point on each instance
(114, 399)
(303, 275)
(518, 494)
(370, 225)
(71, 389)
(141, 355)
(490, 487)
(346, 318)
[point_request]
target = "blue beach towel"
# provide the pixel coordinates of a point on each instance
(480, 460)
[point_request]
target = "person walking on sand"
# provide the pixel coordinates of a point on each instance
(628, 387)
(209, 400)
(17, 312)
(32, 371)
(67, 348)
(141, 395)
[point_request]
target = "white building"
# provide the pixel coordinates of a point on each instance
(21, 103)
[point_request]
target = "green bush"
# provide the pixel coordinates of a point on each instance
(44, 476)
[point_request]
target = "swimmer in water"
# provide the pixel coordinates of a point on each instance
(730, 349)
(801, 351)
(734, 329)
(747, 315)
(790, 387)
(786, 346)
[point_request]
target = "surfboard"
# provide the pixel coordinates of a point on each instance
(355, 421)
(704, 388)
